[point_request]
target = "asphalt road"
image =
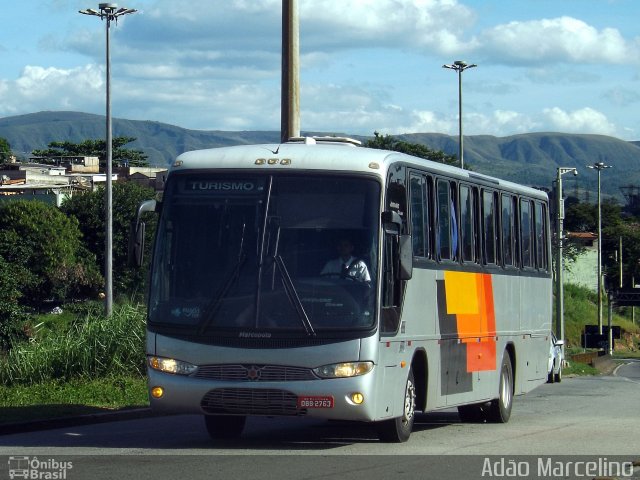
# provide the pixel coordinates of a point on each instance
(592, 417)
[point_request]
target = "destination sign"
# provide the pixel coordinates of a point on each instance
(237, 186)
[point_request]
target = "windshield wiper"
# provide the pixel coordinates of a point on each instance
(213, 306)
(290, 289)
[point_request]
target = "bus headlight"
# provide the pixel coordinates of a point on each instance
(343, 370)
(170, 365)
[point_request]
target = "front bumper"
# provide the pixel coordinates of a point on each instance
(186, 394)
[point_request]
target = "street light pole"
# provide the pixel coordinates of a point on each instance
(460, 66)
(109, 12)
(599, 166)
(559, 267)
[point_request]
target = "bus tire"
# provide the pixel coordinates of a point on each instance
(398, 430)
(224, 427)
(500, 409)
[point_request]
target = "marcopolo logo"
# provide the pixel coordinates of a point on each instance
(34, 468)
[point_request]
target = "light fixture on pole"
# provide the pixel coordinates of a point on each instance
(599, 166)
(109, 12)
(460, 66)
(559, 267)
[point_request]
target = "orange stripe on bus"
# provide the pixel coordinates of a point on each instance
(469, 298)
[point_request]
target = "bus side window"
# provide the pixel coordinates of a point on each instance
(541, 246)
(419, 216)
(391, 286)
(489, 226)
(447, 232)
(525, 233)
(507, 230)
(467, 224)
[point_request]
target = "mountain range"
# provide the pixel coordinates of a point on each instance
(531, 158)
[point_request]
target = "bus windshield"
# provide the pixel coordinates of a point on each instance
(278, 253)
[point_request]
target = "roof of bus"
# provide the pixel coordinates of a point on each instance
(328, 157)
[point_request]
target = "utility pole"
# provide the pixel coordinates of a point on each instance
(559, 262)
(620, 262)
(599, 166)
(290, 87)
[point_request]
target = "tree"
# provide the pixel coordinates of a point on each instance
(389, 142)
(97, 148)
(5, 150)
(12, 315)
(44, 248)
(88, 209)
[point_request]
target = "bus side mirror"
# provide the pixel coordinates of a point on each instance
(136, 234)
(406, 257)
(392, 223)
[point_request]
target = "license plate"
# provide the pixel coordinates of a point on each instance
(315, 402)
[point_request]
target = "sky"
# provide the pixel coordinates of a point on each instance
(570, 66)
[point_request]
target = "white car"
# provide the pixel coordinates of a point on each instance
(556, 360)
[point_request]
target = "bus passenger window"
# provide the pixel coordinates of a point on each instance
(467, 234)
(525, 232)
(419, 216)
(541, 247)
(443, 238)
(488, 220)
(507, 230)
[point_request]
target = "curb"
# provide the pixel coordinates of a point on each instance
(62, 422)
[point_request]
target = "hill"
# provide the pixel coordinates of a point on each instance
(531, 158)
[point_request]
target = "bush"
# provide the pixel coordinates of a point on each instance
(88, 209)
(12, 316)
(93, 346)
(44, 247)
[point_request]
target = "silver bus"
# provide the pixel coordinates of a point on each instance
(319, 278)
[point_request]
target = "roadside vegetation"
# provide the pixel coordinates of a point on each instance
(580, 309)
(59, 354)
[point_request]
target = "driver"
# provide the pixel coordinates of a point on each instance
(346, 265)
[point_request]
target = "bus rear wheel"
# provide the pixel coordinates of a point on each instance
(398, 430)
(224, 427)
(500, 409)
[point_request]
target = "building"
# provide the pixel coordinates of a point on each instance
(147, 176)
(584, 270)
(72, 164)
(48, 183)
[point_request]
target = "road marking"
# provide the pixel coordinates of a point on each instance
(615, 373)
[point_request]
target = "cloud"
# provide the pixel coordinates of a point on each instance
(622, 97)
(189, 31)
(584, 120)
(557, 39)
(39, 88)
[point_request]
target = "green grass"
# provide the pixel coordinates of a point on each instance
(91, 346)
(627, 354)
(581, 308)
(75, 363)
(577, 368)
(55, 398)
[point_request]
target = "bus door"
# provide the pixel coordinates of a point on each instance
(396, 269)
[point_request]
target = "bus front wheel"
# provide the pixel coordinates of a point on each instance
(222, 427)
(397, 430)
